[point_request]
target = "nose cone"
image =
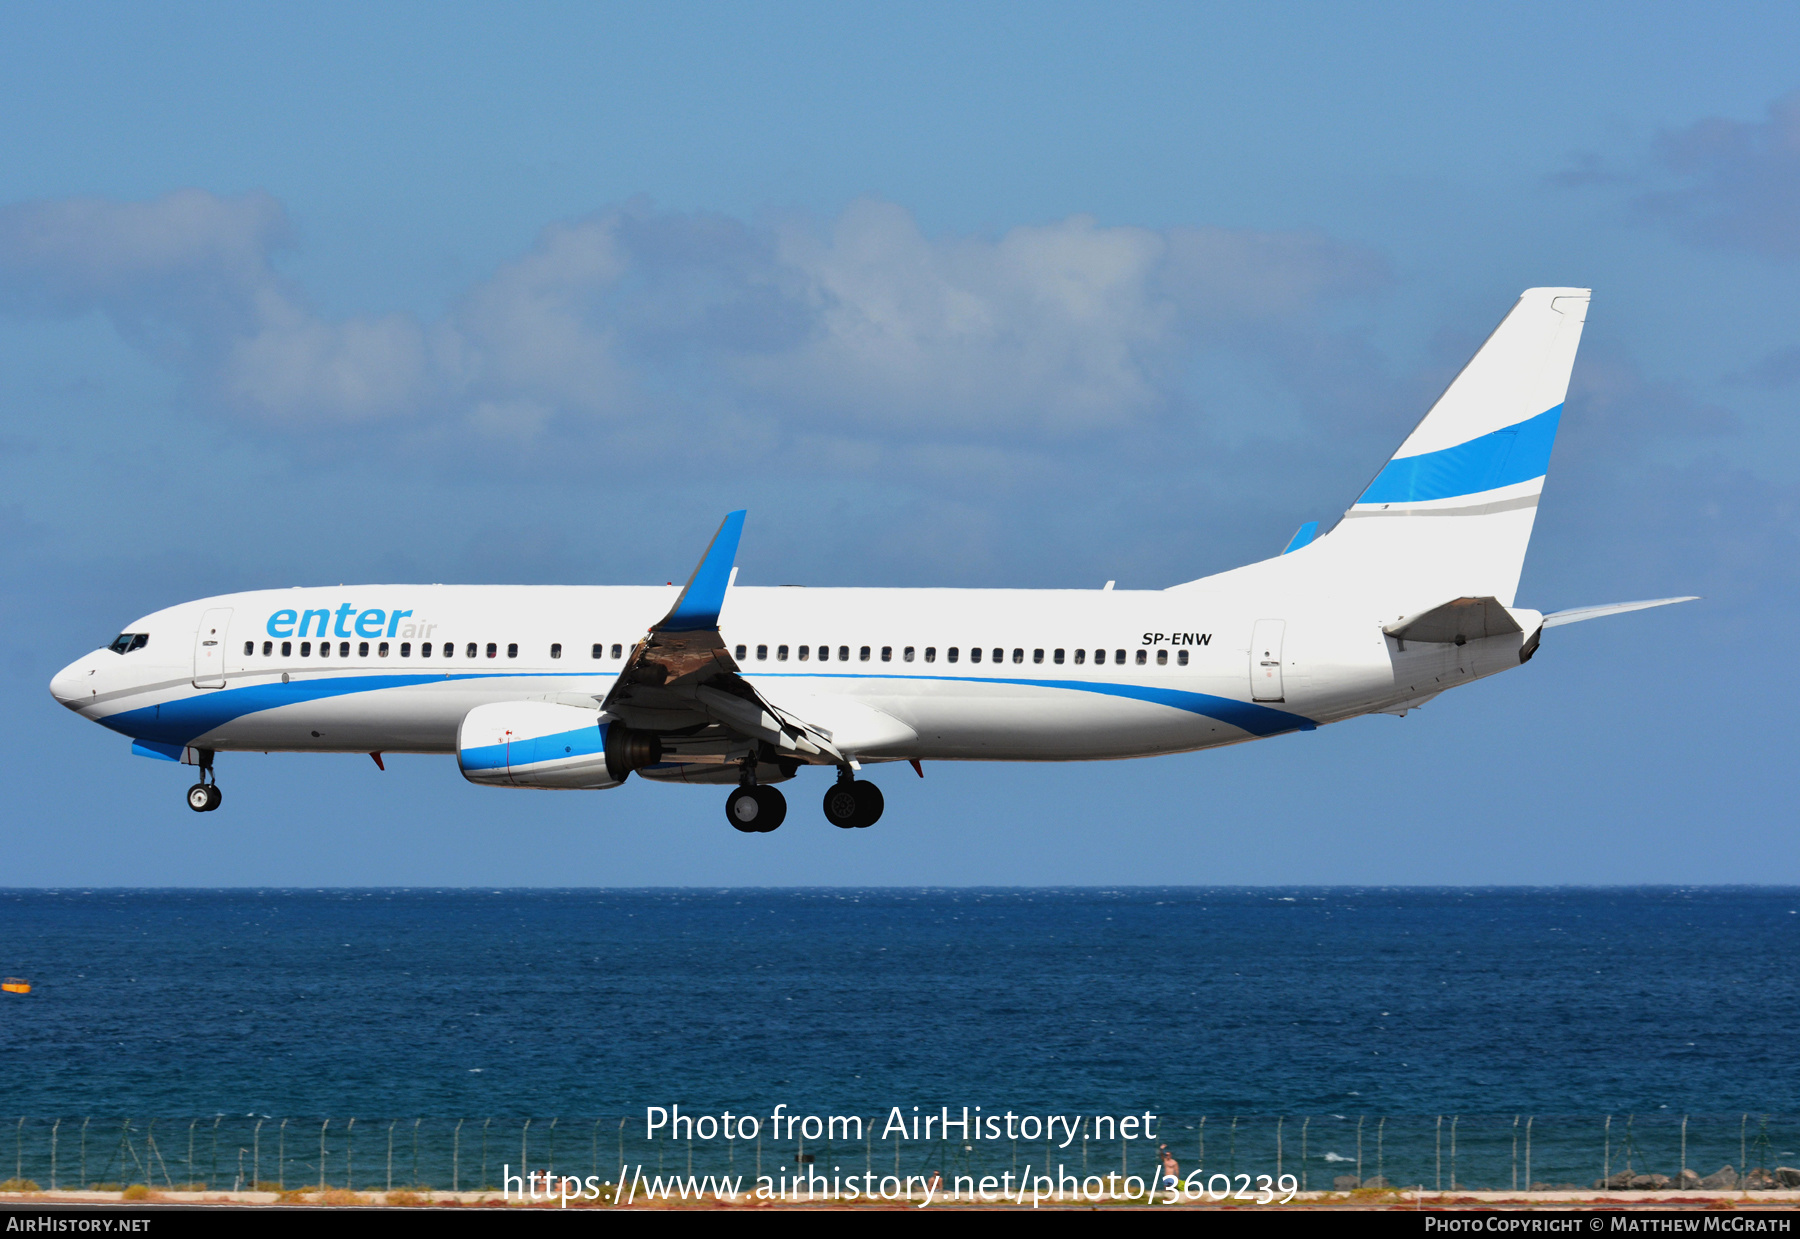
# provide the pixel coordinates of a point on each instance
(70, 686)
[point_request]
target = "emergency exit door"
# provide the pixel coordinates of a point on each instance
(209, 648)
(1265, 660)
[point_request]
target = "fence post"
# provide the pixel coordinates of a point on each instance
(524, 1145)
(1279, 1120)
(1440, 1152)
(19, 1149)
(1200, 1166)
(415, 1173)
(53, 1128)
(1684, 1165)
(1515, 1155)
(84, 1123)
(1606, 1171)
(212, 1177)
(281, 1157)
(1303, 1129)
(1454, 1119)
(190, 1174)
(621, 1182)
(1529, 1120)
(1380, 1163)
(1359, 1125)
(350, 1155)
(322, 1127)
(1743, 1153)
(552, 1166)
(484, 1134)
(390, 1164)
(256, 1155)
(455, 1158)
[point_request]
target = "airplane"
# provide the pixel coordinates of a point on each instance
(1409, 594)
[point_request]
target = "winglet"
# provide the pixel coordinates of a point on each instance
(1303, 536)
(698, 607)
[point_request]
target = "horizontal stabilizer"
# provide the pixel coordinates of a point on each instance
(1576, 614)
(1457, 621)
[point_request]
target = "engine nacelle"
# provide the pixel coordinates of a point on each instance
(545, 744)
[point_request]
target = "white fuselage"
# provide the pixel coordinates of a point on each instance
(1000, 675)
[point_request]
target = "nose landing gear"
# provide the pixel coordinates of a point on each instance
(204, 796)
(853, 803)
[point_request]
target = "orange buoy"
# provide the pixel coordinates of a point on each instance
(16, 985)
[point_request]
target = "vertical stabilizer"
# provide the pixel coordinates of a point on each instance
(1451, 514)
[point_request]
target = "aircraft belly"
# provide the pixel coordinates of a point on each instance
(1010, 722)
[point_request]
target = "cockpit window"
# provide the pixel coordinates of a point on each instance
(126, 642)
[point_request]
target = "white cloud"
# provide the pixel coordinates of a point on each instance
(862, 326)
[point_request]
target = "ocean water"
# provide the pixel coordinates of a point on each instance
(1282, 1016)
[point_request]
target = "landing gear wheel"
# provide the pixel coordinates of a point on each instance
(216, 798)
(756, 810)
(200, 797)
(853, 805)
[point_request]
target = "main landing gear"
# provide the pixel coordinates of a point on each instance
(756, 810)
(852, 803)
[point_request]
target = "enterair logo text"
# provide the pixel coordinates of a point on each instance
(347, 621)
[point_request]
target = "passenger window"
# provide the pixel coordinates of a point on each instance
(616, 648)
(1018, 656)
(287, 649)
(1119, 657)
(762, 653)
(1142, 656)
(803, 650)
(865, 654)
(512, 650)
(824, 653)
(887, 653)
(268, 648)
(1162, 658)
(974, 654)
(324, 649)
(1080, 657)
(739, 653)
(556, 649)
(844, 653)
(999, 656)
(599, 649)
(493, 650)
(362, 649)
(249, 648)
(1037, 656)
(906, 655)
(781, 653)
(406, 649)
(425, 650)
(1057, 658)
(1100, 657)
(469, 650)
(1181, 657)
(305, 649)
(931, 653)
(949, 655)
(382, 649)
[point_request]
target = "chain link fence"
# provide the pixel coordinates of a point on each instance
(1439, 1153)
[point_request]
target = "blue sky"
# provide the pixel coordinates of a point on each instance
(1020, 295)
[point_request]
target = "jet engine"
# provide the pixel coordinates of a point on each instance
(544, 744)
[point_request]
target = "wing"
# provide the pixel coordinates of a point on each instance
(682, 683)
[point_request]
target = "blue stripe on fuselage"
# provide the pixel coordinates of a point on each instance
(182, 720)
(1509, 455)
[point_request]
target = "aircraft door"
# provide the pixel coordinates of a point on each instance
(1265, 660)
(209, 648)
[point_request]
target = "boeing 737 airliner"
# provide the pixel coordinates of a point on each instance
(1409, 594)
